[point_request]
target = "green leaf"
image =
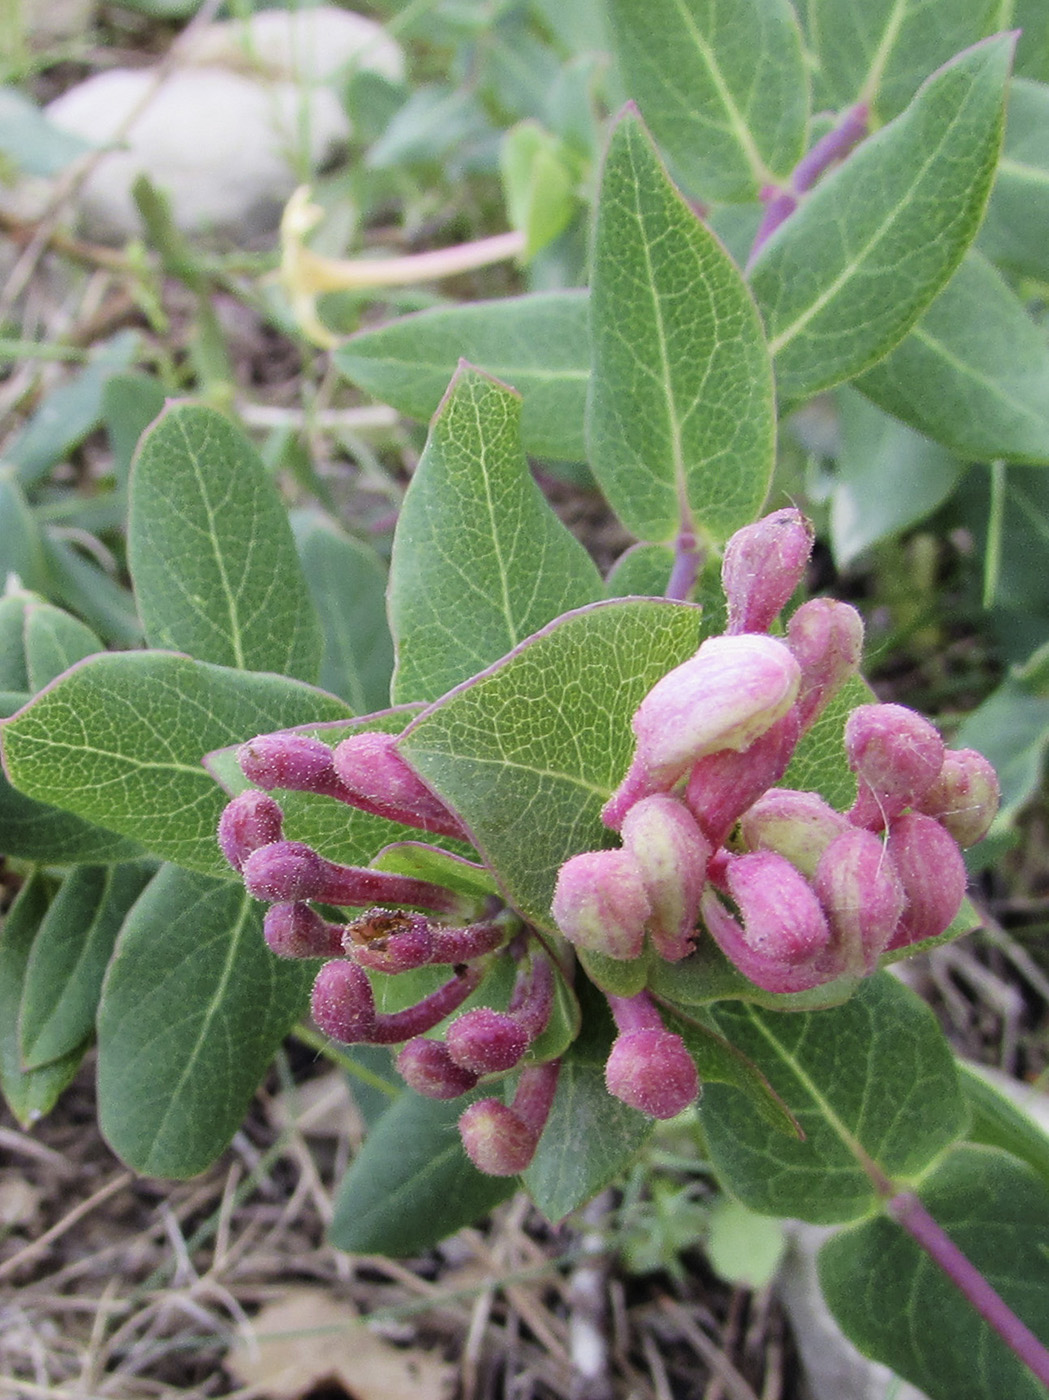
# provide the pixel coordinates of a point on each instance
(881, 51)
(680, 417)
(874, 1077)
(1011, 728)
(999, 1121)
(69, 957)
(211, 551)
(80, 584)
(529, 752)
(743, 1247)
(130, 402)
(539, 181)
(846, 276)
(901, 1309)
(1032, 52)
(119, 740)
(887, 477)
(21, 547)
(538, 344)
(30, 141)
(193, 1008)
(642, 572)
(412, 1184)
(973, 373)
(347, 582)
(480, 561)
(30, 1094)
(723, 86)
(54, 641)
(1013, 232)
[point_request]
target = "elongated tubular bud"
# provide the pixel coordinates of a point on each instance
(759, 966)
(932, 873)
(723, 785)
(426, 1066)
(672, 853)
(292, 761)
(252, 820)
(378, 780)
(964, 797)
(601, 904)
(395, 1026)
(456, 945)
(896, 756)
(501, 1140)
(762, 566)
(649, 1067)
(287, 871)
(858, 886)
(489, 1042)
(724, 697)
(799, 825)
(389, 940)
(532, 999)
(297, 931)
(826, 637)
(343, 1004)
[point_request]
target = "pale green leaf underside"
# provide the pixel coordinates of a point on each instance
(1013, 232)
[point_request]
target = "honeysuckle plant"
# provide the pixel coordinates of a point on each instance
(561, 855)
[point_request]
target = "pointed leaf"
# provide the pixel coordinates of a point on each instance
(873, 1077)
(847, 275)
(211, 552)
(723, 87)
(21, 548)
(536, 343)
(902, 1310)
(119, 740)
(680, 417)
(480, 561)
(998, 1117)
(1013, 233)
(193, 1007)
(530, 751)
(82, 586)
(130, 402)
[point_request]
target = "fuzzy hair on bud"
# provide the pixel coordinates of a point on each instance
(289, 760)
(286, 872)
(389, 940)
(857, 885)
(896, 756)
(343, 1004)
(826, 638)
(762, 566)
(799, 825)
(723, 785)
(426, 1066)
(651, 1070)
(297, 931)
(932, 873)
(496, 1140)
(672, 854)
(486, 1041)
(377, 779)
(964, 797)
(252, 820)
(601, 903)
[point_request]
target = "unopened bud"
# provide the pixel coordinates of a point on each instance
(858, 886)
(826, 638)
(799, 825)
(342, 1003)
(652, 1071)
(896, 756)
(289, 760)
(286, 871)
(672, 854)
(723, 785)
(497, 1142)
(250, 821)
(763, 565)
(486, 1041)
(601, 903)
(724, 697)
(426, 1066)
(932, 873)
(964, 797)
(377, 779)
(389, 940)
(297, 931)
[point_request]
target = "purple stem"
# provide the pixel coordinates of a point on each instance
(779, 205)
(535, 1094)
(532, 999)
(392, 1027)
(686, 566)
(636, 1013)
(909, 1213)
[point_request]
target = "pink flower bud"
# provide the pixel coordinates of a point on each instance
(427, 1067)
(858, 886)
(342, 1003)
(286, 871)
(799, 825)
(378, 780)
(297, 931)
(826, 638)
(672, 853)
(763, 565)
(532, 999)
(497, 1142)
(250, 821)
(724, 697)
(896, 756)
(292, 761)
(932, 873)
(652, 1071)
(964, 797)
(389, 940)
(601, 903)
(486, 1041)
(723, 785)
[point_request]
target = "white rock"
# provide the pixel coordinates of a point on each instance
(312, 45)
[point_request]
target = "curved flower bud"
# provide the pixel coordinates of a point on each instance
(501, 1141)
(896, 756)
(762, 566)
(601, 903)
(672, 854)
(292, 761)
(342, 1002)
(964, 797)
(250, 821)
(653, 1072)
(426, 1066)
(486, 1041)
(287, 871)
(799, 825)
(932, 873)
(724, 697)
(723, 785)
(857, 885)
(376, 779)
(826, 638)
(297, 931)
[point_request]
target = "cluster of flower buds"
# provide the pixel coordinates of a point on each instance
(795, 894)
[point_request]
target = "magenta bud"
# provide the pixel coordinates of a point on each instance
(388, 940)
(376, 778)
(896, 756)
(286, 871)
(723, 785)
(799, 825)
(601, 903)
(342, 1003)
(486, 1041)
(292, 761)
(826, 638)
(932, 873)
(672, 854)
(250, 821)
(724, 697)
(762, 566)
(858, 887)
(496, 1140)
(297, 931)
(964, 796)
(426, 1066)
(651, 1070)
